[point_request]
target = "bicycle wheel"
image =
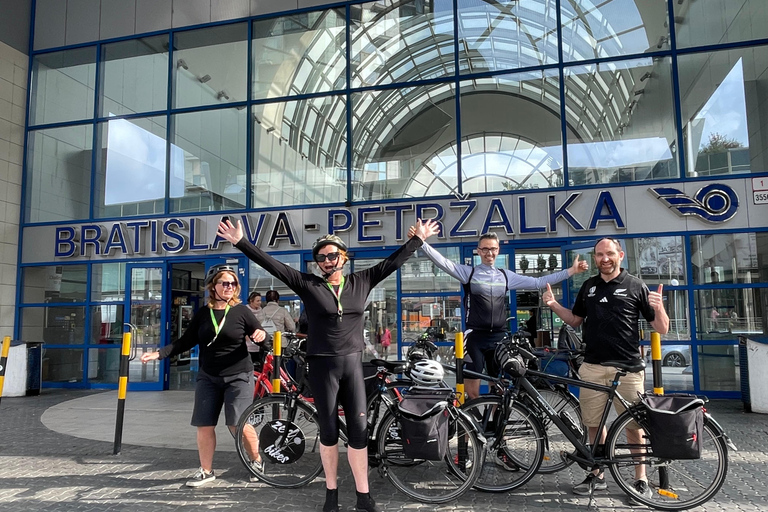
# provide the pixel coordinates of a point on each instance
(517, 457)
(288, 438)
(431, 481)
(675, 484)
(560, 400)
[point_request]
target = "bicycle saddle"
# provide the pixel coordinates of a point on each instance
(633, 367)
(391, 366)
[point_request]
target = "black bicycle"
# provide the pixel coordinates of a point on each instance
(675, 483)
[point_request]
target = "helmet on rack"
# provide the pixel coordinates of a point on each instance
(416, 353)
(427, 372)
(217, 269)
(327, 240)
(509, 359)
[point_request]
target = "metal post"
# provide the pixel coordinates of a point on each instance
(3, 362)
(658, 386)
(459, 352)
(277, 347)
(122, 388)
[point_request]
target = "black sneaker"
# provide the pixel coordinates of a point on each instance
(258, 466)
(331, 500)
(599, 484)
(640, 488)
(365, 503)
(505, 462)
(202, 477)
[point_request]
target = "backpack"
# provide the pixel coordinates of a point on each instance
(423, 419)
(567, 339)
(676, 425)
(269, 325)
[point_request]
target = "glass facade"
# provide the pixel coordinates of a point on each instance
(380, 101)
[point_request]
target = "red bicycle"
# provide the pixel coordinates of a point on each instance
(263, 377)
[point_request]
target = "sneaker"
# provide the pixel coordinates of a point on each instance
(599, 484)
(331, 500)
(365, 503)
(202, 477)
(641, 488)
(258, 466)
(505, 462)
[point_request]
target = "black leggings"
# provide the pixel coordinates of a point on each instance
(338, 380)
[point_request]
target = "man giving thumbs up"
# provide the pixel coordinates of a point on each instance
(609, 305)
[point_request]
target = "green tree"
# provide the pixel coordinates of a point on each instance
(719, 143)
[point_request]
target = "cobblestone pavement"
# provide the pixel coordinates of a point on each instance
(42, 470)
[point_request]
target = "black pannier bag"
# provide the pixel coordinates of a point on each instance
(676, 424)
(424, 422)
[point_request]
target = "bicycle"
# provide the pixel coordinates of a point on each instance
(676, 484)
(286, 426)
(263, 384)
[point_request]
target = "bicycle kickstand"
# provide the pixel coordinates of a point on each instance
(591, 494)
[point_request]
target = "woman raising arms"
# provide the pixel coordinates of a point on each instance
(335, 305)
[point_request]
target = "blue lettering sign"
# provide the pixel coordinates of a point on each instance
(398, 211)
(194, 225)
(138, 240)
(90, 235)
(525, 229)
(153, 236)
(65, 242)
(363, 224)
(605, 202)
(282, 230)
(170, 234)
(555, 213)
(437, 217)
(345, 225)
(469, 207)
(116, 240)
(495, 207)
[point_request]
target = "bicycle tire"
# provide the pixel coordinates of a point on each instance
(560, 400)
(263, 412)
(429, 481)
(690, 482)
(523, 443)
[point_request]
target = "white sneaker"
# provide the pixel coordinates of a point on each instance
(258, 466)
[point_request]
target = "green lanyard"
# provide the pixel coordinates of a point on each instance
(217, 327)
(337, 296)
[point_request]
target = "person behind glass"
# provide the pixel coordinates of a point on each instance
(486, 301)
(609, 306)
(273, 311)
(385, 338)
(225, 377)
(531, 326)
(335, 307)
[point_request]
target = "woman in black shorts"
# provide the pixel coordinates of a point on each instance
(335, 305)
(226, 372)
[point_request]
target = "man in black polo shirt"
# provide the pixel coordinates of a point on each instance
(609, 305)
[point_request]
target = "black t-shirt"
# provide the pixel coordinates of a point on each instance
(228, 354)
(611, 312)
(327, 335)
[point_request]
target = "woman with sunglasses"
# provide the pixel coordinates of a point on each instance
(335, 304)
(225, 376)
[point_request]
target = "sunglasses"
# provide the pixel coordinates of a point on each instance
(331, 256)
(227, 284)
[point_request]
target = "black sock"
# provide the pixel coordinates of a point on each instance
(331, 500)
(365, 502)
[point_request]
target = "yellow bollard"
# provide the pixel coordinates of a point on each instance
(277, 347)
(459, 353)
(658, 387)
(4, 362)
(122, 389)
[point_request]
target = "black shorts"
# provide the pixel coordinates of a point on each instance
(480, 348)
(234, 392)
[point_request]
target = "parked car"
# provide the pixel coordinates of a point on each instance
(672, 355)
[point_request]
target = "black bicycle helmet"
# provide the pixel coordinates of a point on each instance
(327, 240)
(509, 359)
(216, 269)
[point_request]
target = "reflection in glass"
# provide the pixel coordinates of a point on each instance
(621, 125)
(62, 86)
(104, 365)
(718, 367)
(58, 181)
(56, 325)
(506, 151)
(656, 260)
(106, 329)
(440, 316)
(131, 167)
(210, 65)
(730, 258)
(380, 311)
(135, 76)
(731, 312)
(108, 282)
(677, 369)
(59, 283)
(599, 29)
(300, 152)
(299, 54)
(62, 365)
(210, 158)
(259, 280)
(404, 143)
(419, 274)
(506, 34)
(676, 306)
(700, 22)
(724, 115)
(401, 41)
(146, 315)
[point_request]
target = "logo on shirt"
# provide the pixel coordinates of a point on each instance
(604, 299)
(592, 291)
(621, 292)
